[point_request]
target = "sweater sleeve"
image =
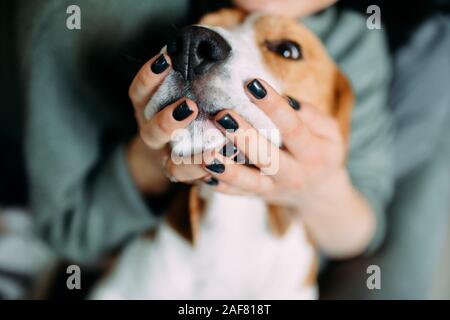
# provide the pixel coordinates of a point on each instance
(83, 198)
(370, 161)
(363, 56)
(93, 216)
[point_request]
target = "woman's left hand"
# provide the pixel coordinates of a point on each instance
(312, 152)
(307, 174)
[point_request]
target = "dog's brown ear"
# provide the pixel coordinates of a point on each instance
(226, 18)
(279, 219)
(343, 103)
(178, 214)
(185, 213)
(196, 211)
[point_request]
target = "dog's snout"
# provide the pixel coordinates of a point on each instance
(196, 50)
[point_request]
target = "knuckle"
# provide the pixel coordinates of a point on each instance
(292, 182)
(180, 171)
(144, 77)
(147, 138)
(131, 92)
(165, 127)
(230, 173)
(263, 184)
(293, 131)
(179, 175)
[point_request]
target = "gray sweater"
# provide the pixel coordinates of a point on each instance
(79, 120)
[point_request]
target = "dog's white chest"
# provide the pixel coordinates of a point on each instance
(236, 257)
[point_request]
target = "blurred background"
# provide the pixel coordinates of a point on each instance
(419, 40)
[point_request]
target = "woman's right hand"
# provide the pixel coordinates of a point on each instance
(148, 156)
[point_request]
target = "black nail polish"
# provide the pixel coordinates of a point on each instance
(216, 166)
(256, 89)
(228, 123)
(212, 181)
(182, 112)
(294, 103)
(228, 150)
(159, 65)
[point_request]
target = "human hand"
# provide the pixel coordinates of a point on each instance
(313, 150)
(311, 178)
(148, 153)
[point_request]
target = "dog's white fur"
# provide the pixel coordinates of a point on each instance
(236, 255)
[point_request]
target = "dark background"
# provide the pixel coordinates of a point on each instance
(12, 172)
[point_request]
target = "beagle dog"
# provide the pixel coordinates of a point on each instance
(216, 246)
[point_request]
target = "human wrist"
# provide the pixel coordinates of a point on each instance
(339, 217)
(336, 184)
(146, 169)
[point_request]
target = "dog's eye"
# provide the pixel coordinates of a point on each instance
(285, 48)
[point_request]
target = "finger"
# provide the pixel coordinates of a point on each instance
(223, 187)
(147, 80)
(239, 176)
(319, 123)
(185, 169)
(185, 172)
(160, 129)
(258, 150)
(297, 122)
(279, 109)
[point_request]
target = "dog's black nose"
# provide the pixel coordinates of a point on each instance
(196, 50)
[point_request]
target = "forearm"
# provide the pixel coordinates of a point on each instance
(342, 221)
(146, 168)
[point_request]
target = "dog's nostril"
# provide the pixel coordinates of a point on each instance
(196, 50)
(210, 50)
(205, 51)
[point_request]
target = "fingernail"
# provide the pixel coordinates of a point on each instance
(256, 89)
(159, 65)
(294, 103)
(228, 123)
(228, 150)
(216, 166)
(212, 181)
(182, 112)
